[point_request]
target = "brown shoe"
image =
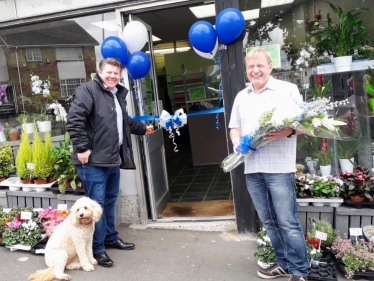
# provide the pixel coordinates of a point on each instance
(298, 278)
(271, 272)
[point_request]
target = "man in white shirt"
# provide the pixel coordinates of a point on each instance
(270, 170)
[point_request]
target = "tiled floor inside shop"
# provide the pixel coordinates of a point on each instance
(188, 183)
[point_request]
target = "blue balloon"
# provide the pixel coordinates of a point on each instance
(114, 47)
(229, 25)
(203, 36)
(138, 65)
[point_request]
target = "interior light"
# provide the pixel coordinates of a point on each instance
(271, 3)
(155, 38)
(170, 50)
(110, 25)
(251, 14)
(204, 11)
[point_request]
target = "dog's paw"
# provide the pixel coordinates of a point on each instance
(88, 267)
(73, 265)
(93, 261)
(63, 277)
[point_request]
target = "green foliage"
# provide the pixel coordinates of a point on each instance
(24, 118)
(326, 227)
(340, 38)
(347, 149)
(24, 156)
(320, 91)
(6, 157)
(324, 158)
(328, 187)
(308, 143)
(264, 250)
(6, 130)
(64, 170)
(40, 157)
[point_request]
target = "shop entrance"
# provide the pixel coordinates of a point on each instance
(196, 187)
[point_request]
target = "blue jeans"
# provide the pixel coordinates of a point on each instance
(274, 198)
(102, 185)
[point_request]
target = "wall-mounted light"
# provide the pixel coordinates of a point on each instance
(170, 50)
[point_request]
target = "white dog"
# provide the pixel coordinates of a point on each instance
(70, 244)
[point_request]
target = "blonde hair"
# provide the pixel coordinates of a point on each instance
(256, 52)
(111, 61)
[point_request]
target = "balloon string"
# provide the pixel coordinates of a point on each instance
(140, 104)
(219, 98)
(171, 136)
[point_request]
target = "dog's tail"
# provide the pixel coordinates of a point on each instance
(42, 275)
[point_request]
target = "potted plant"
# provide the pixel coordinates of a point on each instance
(304, 184)
(13, 134)
(325, 157)
(6, 156)
(354, 257)
(324, 187)
(44, 121)
(326, 227)
(347, 150)
(24, 158)
(27, 122)
(264, 250)
(357, 183)
(340, 38)
(40, 158)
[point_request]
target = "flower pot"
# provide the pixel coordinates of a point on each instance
(318, 204)
(28, 127)
(13, 136)
(346, 165)
(40, 189)
(357, 199)
(44, 126)
(2, 136)
(325, 170)
(67, 184)
(14, 188)
(40, 181)
(343, 63)
(27, 188)
(50, 180)
(27, 181)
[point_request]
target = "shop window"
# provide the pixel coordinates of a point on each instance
(69, 54)
(68, 86)
(34, 54)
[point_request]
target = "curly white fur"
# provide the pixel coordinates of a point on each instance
(70, 245)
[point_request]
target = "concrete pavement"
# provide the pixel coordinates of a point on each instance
(160, 255)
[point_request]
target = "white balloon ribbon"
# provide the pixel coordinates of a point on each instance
(170, 122)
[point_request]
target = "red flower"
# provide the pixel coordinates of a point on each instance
(314, 242)
(319, 80)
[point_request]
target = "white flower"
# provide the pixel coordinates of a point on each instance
(313, 252)
(331, 123)
(266, 239)
(316, 122)
(261, 242)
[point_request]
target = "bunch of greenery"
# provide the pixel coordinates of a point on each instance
(24, 156)
(25, 118)
(326, 227)
(340, 38)
(347, 149)
(40, 157)
(64, 170)
(264, 250)
(358, 183)
(6, 157)
(319, 91)
(325, 157)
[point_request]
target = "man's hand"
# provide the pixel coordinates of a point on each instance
(235, 143)
(83, 157)
(277, 135)
(150, 130)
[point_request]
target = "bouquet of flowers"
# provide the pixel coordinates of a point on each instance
(310, 116)
(50, 218)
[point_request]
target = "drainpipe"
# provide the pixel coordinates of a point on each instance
(20, 81)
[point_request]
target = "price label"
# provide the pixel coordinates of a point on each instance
(321, 235)
(30, 166)
(26, 215)
(62, 206)
(355, 231)
(6, 210)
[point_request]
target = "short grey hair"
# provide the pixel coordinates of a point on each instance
(255, 52)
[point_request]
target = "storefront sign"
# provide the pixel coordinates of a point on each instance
(274, 51)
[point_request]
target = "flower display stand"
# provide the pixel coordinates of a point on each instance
(31, 199)
(346, 218)
(319, 202)
(309, 212)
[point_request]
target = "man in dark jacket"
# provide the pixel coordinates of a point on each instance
(100, 129)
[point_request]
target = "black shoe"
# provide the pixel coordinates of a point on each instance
(103, 259)
(120, 245)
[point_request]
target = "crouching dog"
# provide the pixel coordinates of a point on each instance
(70, 245)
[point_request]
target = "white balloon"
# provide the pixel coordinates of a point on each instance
(135, 36)
(210, 55)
